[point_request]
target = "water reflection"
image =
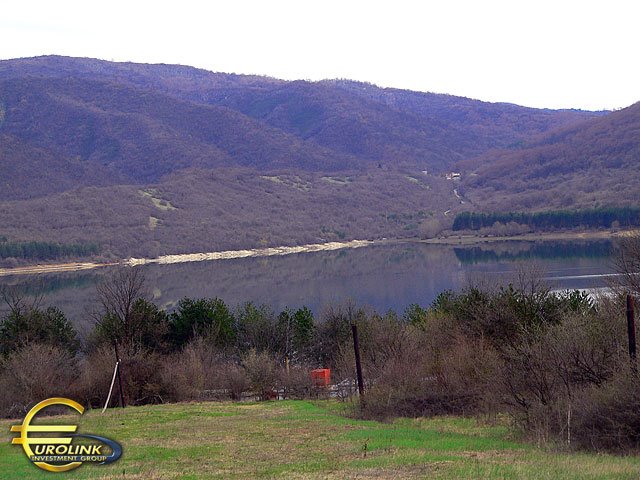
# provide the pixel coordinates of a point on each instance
(382, 276)
(513, 251)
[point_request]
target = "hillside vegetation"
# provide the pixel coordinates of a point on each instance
(249, 161)
(205, 210)
(593, 164)
(376, 124)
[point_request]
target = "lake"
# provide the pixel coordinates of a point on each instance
(381, 276)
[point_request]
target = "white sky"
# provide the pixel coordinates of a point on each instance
(542, 53)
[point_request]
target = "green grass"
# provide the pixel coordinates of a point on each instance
(303, 439)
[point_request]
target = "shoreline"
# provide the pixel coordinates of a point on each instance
(528, 237)
(309, 248)
(53, 268)
(246, 253)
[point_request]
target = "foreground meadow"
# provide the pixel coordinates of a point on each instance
(308, 439)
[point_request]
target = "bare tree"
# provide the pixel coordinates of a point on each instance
(626, 262)
(117, 295)
(16, 300)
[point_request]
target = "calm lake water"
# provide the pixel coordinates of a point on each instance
(383, 276)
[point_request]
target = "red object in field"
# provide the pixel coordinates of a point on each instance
(321, 377)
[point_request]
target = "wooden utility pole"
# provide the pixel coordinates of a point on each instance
(356, 348)
(631, 333)
(123, 403)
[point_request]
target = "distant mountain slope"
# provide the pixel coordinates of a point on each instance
(391, 126)
(485, 125)
(139, 136)
(189, 83)
(590, 164)
(27, 171)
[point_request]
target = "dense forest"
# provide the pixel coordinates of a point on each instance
(553, 219)
(45, 250)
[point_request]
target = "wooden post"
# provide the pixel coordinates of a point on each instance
(356, 348)
(123, 403)
(631, 333)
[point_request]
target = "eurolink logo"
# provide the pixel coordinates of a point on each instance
(57, 453)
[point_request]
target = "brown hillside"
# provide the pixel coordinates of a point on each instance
(588, 165)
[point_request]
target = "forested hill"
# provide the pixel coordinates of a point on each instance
(133, 136)
(183, 117)
(591, 164)
(152, 159)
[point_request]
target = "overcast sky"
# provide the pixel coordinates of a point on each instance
(542, 53)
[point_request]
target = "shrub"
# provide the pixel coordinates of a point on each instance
(607, 417)
(34, 373)
(235, 380)
(417, 382)
(143, 384)
(547, 372)
(141, 372)
(262, 372)
(96, 371)
(187, 375)
(296, 382)
(502, 314)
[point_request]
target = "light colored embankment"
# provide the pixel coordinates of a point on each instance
(254, 252)
(187, 257)
(56, 268)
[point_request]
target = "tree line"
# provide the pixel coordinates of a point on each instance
(45, 250)
(551, 219)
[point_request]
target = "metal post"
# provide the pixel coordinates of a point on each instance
(123, 403)
(631, 332)
(356, 348)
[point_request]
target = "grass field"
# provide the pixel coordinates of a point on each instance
(303, 439)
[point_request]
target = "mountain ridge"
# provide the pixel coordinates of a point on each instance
(381, 124)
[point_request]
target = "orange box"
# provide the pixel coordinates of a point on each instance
(321, 377)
